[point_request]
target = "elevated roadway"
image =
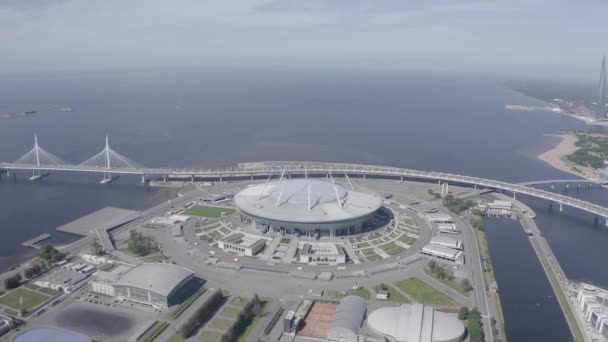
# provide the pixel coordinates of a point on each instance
(267, 169)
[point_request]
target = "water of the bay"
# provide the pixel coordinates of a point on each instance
(212, 118)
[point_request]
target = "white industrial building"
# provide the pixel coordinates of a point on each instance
(347, 320)
(448, 228)
(309, 207)
(443, 253)
(593, 303)
(416, 323)
(500, 207)
(242, 243)
(322, 253)
(439, 218)
(446, 242)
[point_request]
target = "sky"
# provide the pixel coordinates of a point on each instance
(535, 38)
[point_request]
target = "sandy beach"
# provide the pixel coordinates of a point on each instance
(566, 146)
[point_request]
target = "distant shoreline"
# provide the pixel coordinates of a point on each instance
(555, 157)
(32, 113)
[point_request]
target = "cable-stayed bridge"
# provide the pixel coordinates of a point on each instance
(109, 162)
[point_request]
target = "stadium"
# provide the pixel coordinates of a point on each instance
(309, 207)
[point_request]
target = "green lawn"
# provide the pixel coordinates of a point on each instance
(177, 337)
(361, 292)
(210, 336)
(265, 307)
(155, 330)
(392, 248)
(423, 292)
(153, 258)
(231, 312)
(221, 324)
(393, 295)
(31, 299)
(239, 301)
(31, 286)
(50, 292)
(186, 304)
(207, 211)
(449, 282)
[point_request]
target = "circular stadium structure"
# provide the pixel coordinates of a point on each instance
(308, 207)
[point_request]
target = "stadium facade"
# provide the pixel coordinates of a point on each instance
(309, 207)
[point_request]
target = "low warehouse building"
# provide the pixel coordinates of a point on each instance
(416, 323)
(240, 243)
(349, 316)
(322, 253)
(440, 218)
(443, 253)
(448, 228)
(446, 242)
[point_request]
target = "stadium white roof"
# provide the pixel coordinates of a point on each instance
(305, 201)
(155, 277)
(415, 323)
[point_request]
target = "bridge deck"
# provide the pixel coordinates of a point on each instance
(265, 169)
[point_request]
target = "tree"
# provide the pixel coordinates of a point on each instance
(12, 282)
(466, 285)
(463, 314)
(97, 247)
(50, 254)
(32, 271)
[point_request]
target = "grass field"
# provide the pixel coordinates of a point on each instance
(393, 295)
(449, 282)
(31, 286)
(361, 292)
(31, 299)
(155, 330)
(265, 307)
(210, 336)
(50, 292)
(230, 312)
(221, 324)
(423, 292)
(239, 301)
(207, 211)
(186, 304)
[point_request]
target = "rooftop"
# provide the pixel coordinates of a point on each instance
(305, 200)
(415, 322)
(156, 277)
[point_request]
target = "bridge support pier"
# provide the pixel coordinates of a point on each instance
(606, 221)
(514, 195)
(445, 189)
(164, 179)
(251, 176)
(475, 187)
(191, 178)
(401, 179)
(567, 186)
(561, 207)
(221, 178)
(143, 178)
(578, 187)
